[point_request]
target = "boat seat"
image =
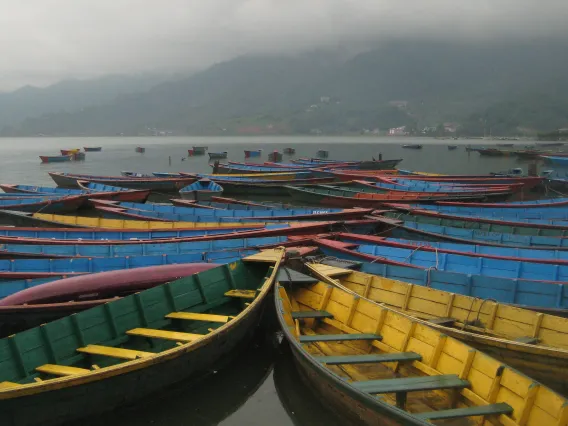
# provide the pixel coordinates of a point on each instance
(164, 334)
(121, 353)
(481, 410)
(61, 370)
(338, 337)
(8, 385)
(442, 321)
(311, 314)
(411, 384)
(241, 294)
(527, 340)
(363, 359)
(192, 316)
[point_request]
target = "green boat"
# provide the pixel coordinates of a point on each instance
(111, 355)
(478, 224)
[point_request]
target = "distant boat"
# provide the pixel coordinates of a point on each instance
(505, 144)
(412, 146)
(55, 158)
(70, 151)
(93, 148)
(197, 150)
(452, 147)
(79, 156)
(140, 149)
(253, 153)
(322, 153)
(289, 150)
(215, 155)
(275, 157)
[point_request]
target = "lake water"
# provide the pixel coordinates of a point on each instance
(261, 386)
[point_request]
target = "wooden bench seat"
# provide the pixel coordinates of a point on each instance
(8, 385)
(176, 336)
(120, 353)
(364, 359)
(338, 337)
(482, 410)
(311, 314)
(61, 370)
(192, 316)
(241, 294)
(411, 384)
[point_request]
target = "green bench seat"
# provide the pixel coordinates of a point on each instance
(482, 410)
(338, 337)
(363, 359)
(311, 314)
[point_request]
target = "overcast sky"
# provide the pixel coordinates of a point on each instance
(43, 41)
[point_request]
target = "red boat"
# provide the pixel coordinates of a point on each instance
(45, 204)
(536, 204)
(131, 195)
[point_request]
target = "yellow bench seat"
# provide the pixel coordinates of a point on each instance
(191, 316)
(8, 385)
(61, 370)
(241, 294)
(176, 336)
(121, 353)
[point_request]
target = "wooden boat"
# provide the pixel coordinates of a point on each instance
(461, 263)
(554, 257)
(70, 151)
(140, 149)
(224, 203)
(61, 236)
(379, 366)
(494, 152)
(175, 213)
(275, 156)
(55, 158)
(79, 156)
(528, 182)
(529, 341)
(217, 155)
(412, 146)
(94, 190)
(547, 202)
(330, 196)
(38, 251)
(69, 180)
(253, 153)
(249, 186)
(452, 147)
(322, 153)
(239, 169)
(135, 354)
(424, 228)
(104, 223)
(280, 176)
(197, 150)
(527, 227)
(289, 151)
(201, 190)
(63, 204)
(93, 148)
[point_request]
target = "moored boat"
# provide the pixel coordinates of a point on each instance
(93, 148)
(253, 153)
(351, 350)
(452, 147)
(136, 348)
(140, 149)
(412, 146)
(217, 155)
(201, 190)
(70, 151)
(69, 180)
(62, 204)
(289, 151)
(322, 153)
(527, 340)
(55, 158)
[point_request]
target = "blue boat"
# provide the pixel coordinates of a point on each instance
(253, 153)
(538, 295)
(201, 190)
(50, 190)
(432, 232)
(426, 188)
(38, 268)
(8, 288)
(102, 250)
(562, 161)
(243, 169)
(456, 263)
(256, 205)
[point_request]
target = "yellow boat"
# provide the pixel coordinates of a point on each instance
(535, 343)
(381, 367)
(99, 222)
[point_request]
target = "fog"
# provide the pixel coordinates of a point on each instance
(44, 41)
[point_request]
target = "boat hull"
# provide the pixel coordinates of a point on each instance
(154, 184)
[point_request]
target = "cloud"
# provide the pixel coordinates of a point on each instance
(43, 41)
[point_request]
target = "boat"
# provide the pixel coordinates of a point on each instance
(45, 301)
(83, 236)
(93, 148)
(412, 146)
(494, 152)
(140, 149)
(250, 186)
(39, 251)
(460, 263)
(70, 180)
(275, 156)
(62, 204)
(201, 190)
(181, 210)
(289, 151)
(452, 147)
(79, 156)
(21, 269)
(528, 182)
(223, 203)
(498, 329)
(135, 346)
(379, 366)
(70, 151)
(336, 197)
(546, 202)
(217, 155)
(94, 190)
(506, 145)
(126, 173)
(55, 158)
(253, 153)
(493, 191)
(239, 169)
(322, 153)
(561, 161)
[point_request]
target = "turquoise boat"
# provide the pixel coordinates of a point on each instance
(201, 190)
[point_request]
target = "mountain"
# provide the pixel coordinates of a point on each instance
(398, 83)
(69, 96)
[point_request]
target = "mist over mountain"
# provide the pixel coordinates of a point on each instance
(505, 84)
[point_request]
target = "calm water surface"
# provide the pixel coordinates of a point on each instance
(261, 386)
